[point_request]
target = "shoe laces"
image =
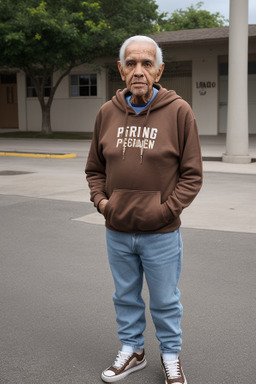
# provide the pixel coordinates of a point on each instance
(121, 359)
(172, 369)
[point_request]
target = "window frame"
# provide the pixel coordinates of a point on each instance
(92, 84)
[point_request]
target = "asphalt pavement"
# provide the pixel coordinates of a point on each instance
(57, 318)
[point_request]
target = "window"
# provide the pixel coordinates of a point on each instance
(8, 78)
(83, 85)
(252, 68)
(31, 92)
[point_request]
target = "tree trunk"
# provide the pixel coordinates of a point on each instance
(46, 119)
(39, 82)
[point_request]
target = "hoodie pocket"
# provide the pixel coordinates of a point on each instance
(133, 211)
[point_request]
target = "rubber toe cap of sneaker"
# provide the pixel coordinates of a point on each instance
(108, 373)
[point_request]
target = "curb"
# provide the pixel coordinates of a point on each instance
(40, 155)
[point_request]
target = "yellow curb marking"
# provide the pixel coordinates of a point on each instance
(39, 155)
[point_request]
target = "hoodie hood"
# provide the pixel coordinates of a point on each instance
(163, 98)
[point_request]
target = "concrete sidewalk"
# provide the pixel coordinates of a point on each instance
(213, 148)
(226, 201)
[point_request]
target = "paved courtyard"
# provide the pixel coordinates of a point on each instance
(57, 318)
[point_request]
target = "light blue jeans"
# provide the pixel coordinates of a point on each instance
(159, 256)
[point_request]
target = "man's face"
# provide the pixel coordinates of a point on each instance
(140, 71)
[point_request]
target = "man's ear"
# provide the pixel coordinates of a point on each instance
(159, 72)
(120, 68)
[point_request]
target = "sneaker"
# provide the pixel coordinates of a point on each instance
(173, 372)
(124, 364)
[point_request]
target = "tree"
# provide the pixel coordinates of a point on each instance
(43, 37)
(133, 17)
(47, 37)
(191, 18)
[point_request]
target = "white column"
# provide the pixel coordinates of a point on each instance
(237, 141)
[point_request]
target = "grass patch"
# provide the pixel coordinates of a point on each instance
(53, 135)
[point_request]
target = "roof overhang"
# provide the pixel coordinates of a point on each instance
(198, 36)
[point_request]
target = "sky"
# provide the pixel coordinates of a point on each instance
(213, 6)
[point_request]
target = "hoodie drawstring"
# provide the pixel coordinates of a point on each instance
(142, 145)
(125, 124)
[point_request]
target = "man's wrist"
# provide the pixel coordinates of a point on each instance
(101, 205)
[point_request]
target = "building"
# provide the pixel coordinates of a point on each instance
(206, 52)
(196, 67)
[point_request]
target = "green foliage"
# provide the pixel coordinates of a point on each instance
(58, 34)
(191, 18)
(42, 37)
(128, 18)
(54, 34)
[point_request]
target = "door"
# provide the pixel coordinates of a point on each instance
(8, 101)
(223, 97)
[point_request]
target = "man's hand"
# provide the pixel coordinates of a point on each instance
(102, 205)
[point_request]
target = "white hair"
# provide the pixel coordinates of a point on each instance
(159, 54)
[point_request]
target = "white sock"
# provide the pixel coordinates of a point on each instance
(127, 348)
(170, 356)
(130, 349)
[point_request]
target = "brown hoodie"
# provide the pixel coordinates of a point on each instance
(149, 165)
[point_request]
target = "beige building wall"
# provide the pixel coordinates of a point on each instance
(205, 94)
(205, 99)
(76, 114)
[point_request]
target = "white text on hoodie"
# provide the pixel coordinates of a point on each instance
(133, 136)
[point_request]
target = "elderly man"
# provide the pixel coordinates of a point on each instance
(143, 168)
